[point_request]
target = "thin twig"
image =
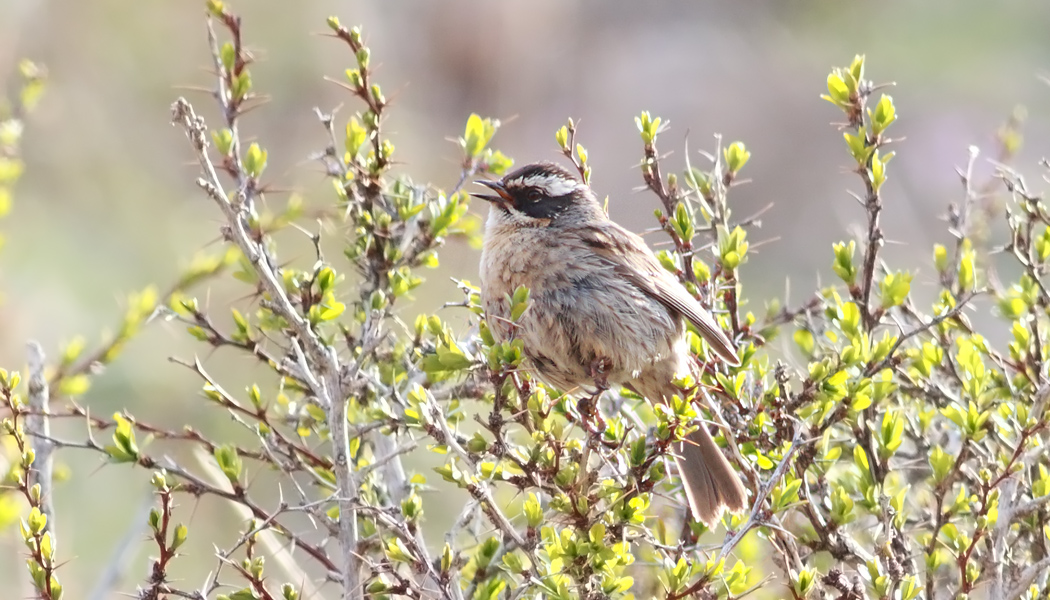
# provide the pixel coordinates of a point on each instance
(764, 490)
(478, 488)
(123, 553)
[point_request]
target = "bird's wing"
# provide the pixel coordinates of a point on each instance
(636, 263)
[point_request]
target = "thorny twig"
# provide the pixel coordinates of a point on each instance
(326, 385)
(755, 518)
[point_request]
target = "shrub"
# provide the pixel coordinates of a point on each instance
(904, 459)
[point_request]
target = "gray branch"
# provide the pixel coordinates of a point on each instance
(123, 553)
(38, 427)
(322, 370)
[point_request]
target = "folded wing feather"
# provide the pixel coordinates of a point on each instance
(636, 263)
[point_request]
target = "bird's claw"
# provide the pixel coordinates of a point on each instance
(599, 373)
(590, 418)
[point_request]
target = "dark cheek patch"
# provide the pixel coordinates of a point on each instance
(546, 208)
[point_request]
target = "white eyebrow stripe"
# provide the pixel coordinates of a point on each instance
(553, 185)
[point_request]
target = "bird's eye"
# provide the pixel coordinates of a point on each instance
(534, 195)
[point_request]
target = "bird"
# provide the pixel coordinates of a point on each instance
(601, 310)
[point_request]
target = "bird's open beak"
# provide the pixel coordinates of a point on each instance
(503, 199)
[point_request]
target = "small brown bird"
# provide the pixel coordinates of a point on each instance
(601, 306)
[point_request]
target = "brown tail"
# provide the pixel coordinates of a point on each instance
(710, 483)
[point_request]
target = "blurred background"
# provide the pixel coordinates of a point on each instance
(107, 204)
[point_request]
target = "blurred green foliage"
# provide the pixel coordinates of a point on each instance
(903, 458)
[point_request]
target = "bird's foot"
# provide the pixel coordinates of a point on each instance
(590, 417)
(599, 371)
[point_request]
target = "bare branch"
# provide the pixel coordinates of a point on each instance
(38, 425)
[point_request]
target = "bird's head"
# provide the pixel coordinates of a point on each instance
(541, 192)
